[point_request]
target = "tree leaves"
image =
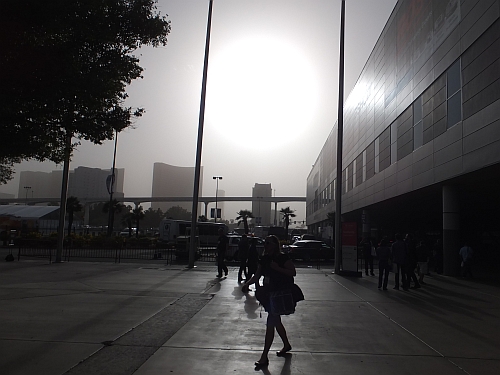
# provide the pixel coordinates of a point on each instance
(65, 67)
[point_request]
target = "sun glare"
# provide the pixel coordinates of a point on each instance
(261, 91)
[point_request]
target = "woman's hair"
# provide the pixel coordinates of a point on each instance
(272, 238)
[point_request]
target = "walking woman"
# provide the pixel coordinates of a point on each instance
(278, 271)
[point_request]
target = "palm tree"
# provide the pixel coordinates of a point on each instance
(137, 216)
(127, 220)
(243, 216)
(330, 218)
(287, 214)
(72, 205)
(116, 206)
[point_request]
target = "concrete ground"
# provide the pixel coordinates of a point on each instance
(151, 319)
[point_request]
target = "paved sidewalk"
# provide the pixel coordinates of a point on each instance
(149, 319)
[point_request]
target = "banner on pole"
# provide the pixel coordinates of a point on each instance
(350, 247)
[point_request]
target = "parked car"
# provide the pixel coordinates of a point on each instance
(310, 249)
(307, 237)
(234, 240)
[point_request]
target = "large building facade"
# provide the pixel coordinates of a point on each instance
(261, 210)
(84, 182)
(421, 148)
(173, 181)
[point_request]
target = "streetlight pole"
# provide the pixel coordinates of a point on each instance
(340, 136)
(216, 178)
(111, 187)
(26, 188)
(201, 121)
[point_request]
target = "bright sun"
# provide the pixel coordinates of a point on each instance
(261, 91)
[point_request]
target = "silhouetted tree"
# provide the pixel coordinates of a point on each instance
(127, 219)
(178, 213)
(152, 217)
(65, 67)
(330, 218)
(137, 216)
(116, 206)
(287, 214)
(243, 216)
(7, 169)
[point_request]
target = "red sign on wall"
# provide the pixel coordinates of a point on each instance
(350, 234)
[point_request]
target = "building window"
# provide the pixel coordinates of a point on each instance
(364, 165)
(354, 173)
(394, 142)
(377, 150)
(418, 128)
(454, 94)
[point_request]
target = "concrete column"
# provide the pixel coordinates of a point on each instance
(451, 230)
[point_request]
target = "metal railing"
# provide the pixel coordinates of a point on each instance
(171, 255)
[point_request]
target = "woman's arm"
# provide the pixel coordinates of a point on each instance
(255, 278)
(287, 269)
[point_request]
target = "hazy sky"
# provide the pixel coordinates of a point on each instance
(271, 94)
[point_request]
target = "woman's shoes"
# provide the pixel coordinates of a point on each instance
(283, 351)
(261, 363)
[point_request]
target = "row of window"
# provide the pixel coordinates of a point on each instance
(431, 114)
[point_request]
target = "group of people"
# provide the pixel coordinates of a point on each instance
(408, 259)
(404, 257)
(247, 254)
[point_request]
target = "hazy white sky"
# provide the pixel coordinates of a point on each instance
(271, 94)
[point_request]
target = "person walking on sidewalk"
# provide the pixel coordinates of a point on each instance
(384, 262)
(278, 271)
(222, 246)
(367, 255)
(243, 247)
(466, 254)
(411, 261)
(399, 257)
(253, 258)
(423, 256)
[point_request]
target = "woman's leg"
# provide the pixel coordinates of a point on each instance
(268, 341)
(280, 328)
(380, 273)
(386, 276)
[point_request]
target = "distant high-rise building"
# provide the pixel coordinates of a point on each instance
(8, 196)
(172, 181)
(84, 182)
(87, 182)
(261, 210)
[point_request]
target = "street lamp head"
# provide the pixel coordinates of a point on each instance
(217, 177)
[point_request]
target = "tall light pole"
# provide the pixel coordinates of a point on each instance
(216, 178)
(111, 187)
(201, 121)
(27, 188)
(340, 136)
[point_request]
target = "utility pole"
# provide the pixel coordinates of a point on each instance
(340, 136)
(201, 121)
